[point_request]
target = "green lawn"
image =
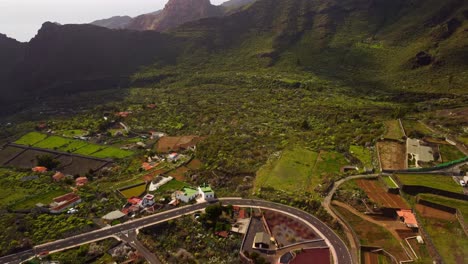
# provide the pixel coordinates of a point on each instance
(292, 172)
(171, 186)
(31, 138)
(449, 239)
(134, 191)
(449, 153)
(363, 154)
(462, 206)
(441, 182)
(53, 142)
(73, 133)
(89, 149)
(389, 182)
(44, 198)
(329, 163)
(393, 130)
(112, 152)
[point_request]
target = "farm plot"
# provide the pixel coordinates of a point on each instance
(393, 130)
(449, 153)
(53, 142)
(27, 160)
(292, 172)
(134, 191)
(392, 155)
(8, 153)
(112, 153)
(89, 149)
(73, 146)
(415, 129)
(179, 173)
(378, 194)
(31, 138)
(328, 164)
(427, 211)
(168, 144)
(461, 205)
(77, 165)
(440, 182)
(363, 154)
(44, 198)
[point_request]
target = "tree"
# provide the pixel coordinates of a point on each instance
(47, 161)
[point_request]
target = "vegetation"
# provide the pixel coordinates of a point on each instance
(135, 191)
(461, 205)
(363, 154)
(389, 182)
(415, 129)
(393, 130)
(31, 138)
(440, 182)
(450, 153)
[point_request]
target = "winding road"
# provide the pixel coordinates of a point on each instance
(340, 252)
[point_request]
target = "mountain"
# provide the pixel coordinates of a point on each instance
(11, 52)
(236, 3)
(116, 22)
(367, 45)
(175, 13)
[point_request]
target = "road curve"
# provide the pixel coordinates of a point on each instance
(339, 250)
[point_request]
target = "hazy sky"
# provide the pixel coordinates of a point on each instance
(21, 19)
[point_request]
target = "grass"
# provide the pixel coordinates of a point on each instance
(53, 142)
(440, 182)
(389, 182)
(31, 138)
(329, 163)
(449, 239)
(74, 146)
(89, 149)
(292, 172)
(73, 133)
(112, 152)
(173, 185)
(44, 198)
(134, 191)
(449, 153)
(371, 234)
(415, 129)
(363, 154)
(393, 130)
(462, 206)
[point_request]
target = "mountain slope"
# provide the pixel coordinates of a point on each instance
(11, 52)
(116, 22)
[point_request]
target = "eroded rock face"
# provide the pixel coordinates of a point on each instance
(175, 13)
(422, 59)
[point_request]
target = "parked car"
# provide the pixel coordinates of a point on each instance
(462, 183)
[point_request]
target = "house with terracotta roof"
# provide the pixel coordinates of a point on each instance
(58, 176)
(63, 202)
(407, 216)
(81, 181)
(39, 169)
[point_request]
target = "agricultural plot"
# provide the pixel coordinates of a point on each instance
(389, 182)
(73, 146)
(448, 237)
(393, 130)
(171, 186)
(392, 155)
(112, 152)
(77, 165)
(378, 194)
(27, 160)
(328, 163)
(8, 153)
(440, 182)
(415, 129)
(31, 138)
(53, 142)
(168, 144)
(363, 154)
(44, 198)
(133, 191)
(427, 211)
(179, 173)
(450, 153)
(461, 205)
(292, 172)
(89, 149)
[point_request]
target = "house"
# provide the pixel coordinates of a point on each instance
(223, 234)
(39, 169)
(114, 215)
(186, 194)
(148, 166)
(148, 200)
(123, 114)
(206, 192)
(58, 176)
(408, 218)
(81, 181)
(173, 156)
(262, 240)
(63, 202)
(134, 200)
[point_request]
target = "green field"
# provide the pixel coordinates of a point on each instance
(449, 239)
(462, 206)
(171, 186)
(73, 133)
(53, 142)
(329, 164)
(89, 149)
(389, 182)
(112, 152)
(449, 153)
(31, 138)
(44, 198)
(74, 146)
(363, 154)
(292, 172)
(415, 129)
(393, 130)
(134, 191)
(440, 182)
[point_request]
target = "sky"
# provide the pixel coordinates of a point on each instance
(21, 19)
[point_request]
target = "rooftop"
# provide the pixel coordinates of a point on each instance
(188, 191)
(263, 238)
(409, 217)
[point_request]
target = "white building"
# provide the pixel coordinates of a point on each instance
(206, 192)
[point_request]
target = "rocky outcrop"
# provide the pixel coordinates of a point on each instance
(116, 22)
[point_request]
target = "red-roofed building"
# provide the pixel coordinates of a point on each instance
(123, 114)
(81, 181)
(39, 169)
(408, 218)
(63, 202)
(242, 213)
(148, 166)
(134, 200)
(58, 176)
(223, 234)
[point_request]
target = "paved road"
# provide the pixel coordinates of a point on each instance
(338, 248)
(131, 238)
